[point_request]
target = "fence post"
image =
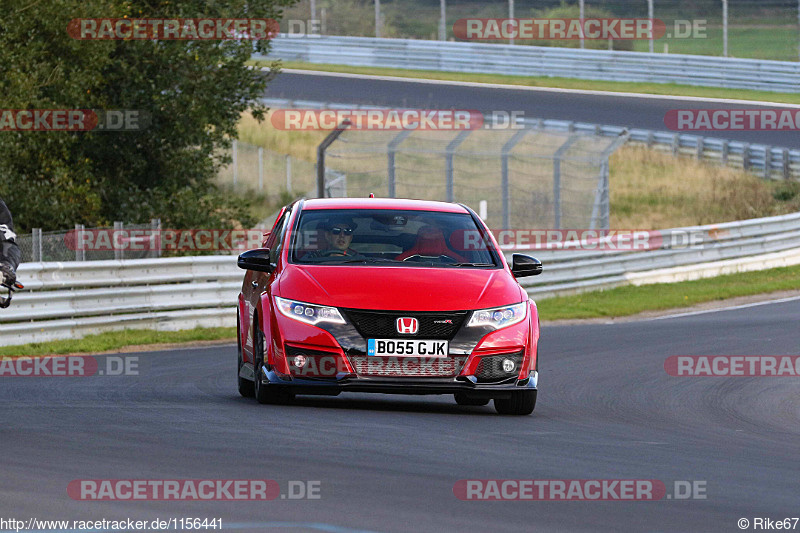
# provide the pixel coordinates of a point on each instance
(118, 252)
(505, 182)
(235, 162)
(36, 244)
(155, 240)
(332, 136)
(260, 169)
(391, 149)
(449, 152)
(80, 254)
(288, 173)
(557, 179)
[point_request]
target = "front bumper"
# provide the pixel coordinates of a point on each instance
(401, 385)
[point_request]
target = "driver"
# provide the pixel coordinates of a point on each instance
(10, 255)
(337, 235)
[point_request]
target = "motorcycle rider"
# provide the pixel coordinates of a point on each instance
(10, 255)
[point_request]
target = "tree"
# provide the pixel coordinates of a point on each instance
(193, 90)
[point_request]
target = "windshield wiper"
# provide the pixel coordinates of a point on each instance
(369, 260)
(469, 264)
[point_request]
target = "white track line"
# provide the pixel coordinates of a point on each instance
(721, 309)
(539, 89)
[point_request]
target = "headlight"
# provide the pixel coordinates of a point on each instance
(499, 317)
(308, 313)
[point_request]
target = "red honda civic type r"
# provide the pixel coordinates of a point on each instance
(390, 296)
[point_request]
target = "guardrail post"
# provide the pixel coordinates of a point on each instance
(36, 244)
(746, 157)
(767, 162)
(450, 151)
(726, 148)
(676, 143)
(118, 251)
(505, 184)
(700, 147)
(391, 149)
(786, 168)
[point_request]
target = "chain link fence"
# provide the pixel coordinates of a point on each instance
(45, 246)
(515, 179)
(273, 175)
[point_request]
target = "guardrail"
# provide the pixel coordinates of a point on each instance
(733, 73)
(770, 162)
(65, 300)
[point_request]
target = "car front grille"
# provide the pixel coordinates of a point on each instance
(401, 367)
(382, 324)
(490, 367)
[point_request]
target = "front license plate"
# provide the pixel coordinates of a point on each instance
(407, 347)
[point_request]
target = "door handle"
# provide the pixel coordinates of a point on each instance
(254, 284)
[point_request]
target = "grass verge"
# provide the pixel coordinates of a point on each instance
(114, 340)
(666, 89)
(630, 300)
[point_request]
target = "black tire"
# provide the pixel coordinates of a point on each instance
(265, 394)
(520, 403)
(463, 399)
(246, 387)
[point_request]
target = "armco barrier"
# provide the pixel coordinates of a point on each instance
(65, 300)
(734, 73)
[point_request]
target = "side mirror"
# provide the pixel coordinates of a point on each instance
(257, 260)
(525, 265)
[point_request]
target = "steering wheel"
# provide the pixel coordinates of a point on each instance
(442, 258)
(328, 253)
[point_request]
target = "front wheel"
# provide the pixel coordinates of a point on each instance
(265, 393)
(520, 403)
(246, 387)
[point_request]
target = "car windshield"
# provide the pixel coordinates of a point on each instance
(391, 237)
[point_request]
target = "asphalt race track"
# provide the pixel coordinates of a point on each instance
(618, 110)
(607, 410)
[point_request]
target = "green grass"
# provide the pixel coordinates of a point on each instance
(114, 340)
(629, 300)
(668, 89)
(778, 43)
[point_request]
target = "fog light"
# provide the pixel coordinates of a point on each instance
(508, 365)
(299, 361)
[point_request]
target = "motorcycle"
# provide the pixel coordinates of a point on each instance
(5, 301)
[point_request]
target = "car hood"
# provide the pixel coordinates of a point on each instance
(400, 288)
